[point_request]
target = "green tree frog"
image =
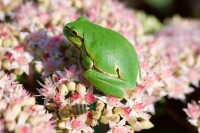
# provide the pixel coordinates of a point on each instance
(110, 61)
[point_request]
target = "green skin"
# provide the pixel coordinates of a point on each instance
(109, 60)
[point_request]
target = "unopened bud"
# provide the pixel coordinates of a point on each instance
(137, 126)
(107, 112)
(96, 115)
(81, 89)
(71, 86)
(100, 105)
(146, 124)
(93, 122)
(132, 120)
(117, 110)
(104, 119)
(6, 64)
(115, 118)
(19, 71)
(63, 90)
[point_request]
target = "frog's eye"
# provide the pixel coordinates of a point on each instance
(74, 32)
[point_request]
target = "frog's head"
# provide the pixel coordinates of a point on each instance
(74, 31)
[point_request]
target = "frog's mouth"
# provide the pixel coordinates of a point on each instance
(73, 37)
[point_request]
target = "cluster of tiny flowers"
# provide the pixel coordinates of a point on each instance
(13, 55)
(7, 6)
(193, 113)
(170, 60)
(64, 94)
(18, 111)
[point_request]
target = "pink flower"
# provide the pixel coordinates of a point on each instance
(69, 74)
(23, 129)
(75, 96)
(139, 107)
(113, 101)
(89, 98)
(21, 60)
(48, 90)
(77, 124)
(58, 98)
(193, 110)
(126, 111)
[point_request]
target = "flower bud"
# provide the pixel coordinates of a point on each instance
(93, 122)
(100, 105)
(71, 86)
(81, 89)
(117, 110)
(38, 67)
(107, 112)
(137, 126)
(6, 64)
(104, 119)
(146, 124)
(19, 71)
(115, 118)
(132, 120)
(63, 90)
(96, 115)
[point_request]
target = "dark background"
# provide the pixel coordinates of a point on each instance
(167, 8)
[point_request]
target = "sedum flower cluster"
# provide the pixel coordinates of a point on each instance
(67, 89)
(13, 54)
(173, 53)
(18, 111)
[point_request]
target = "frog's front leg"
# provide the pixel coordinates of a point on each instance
(86, 61)
(106, 83)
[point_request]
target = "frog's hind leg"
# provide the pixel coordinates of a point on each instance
(105, 83)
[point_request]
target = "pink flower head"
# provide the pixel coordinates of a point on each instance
(58, 98)
(69, 74)
(113, 101)
(139, 107)
(77, 124)
(193, 110)
(23, 129)
(126, 111)
(75, 96)
(89, 98)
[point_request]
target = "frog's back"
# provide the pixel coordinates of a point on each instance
(112, 53)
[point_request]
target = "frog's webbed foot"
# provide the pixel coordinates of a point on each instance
(105, 83)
